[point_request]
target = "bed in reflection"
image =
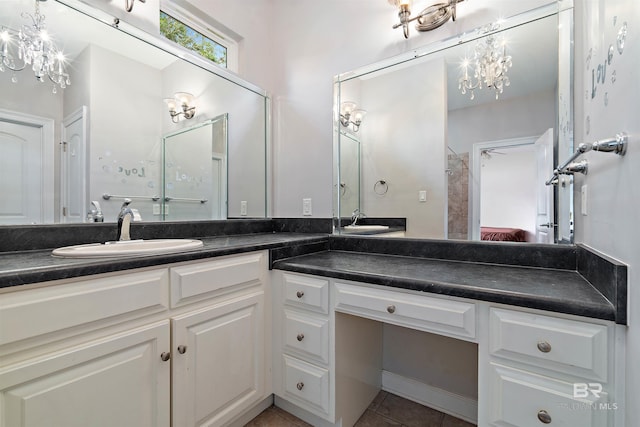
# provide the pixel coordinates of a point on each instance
(503, 234)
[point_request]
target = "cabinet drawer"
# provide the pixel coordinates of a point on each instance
(438, 315)
(519, 398)
(307, 384)
(34, 312)
(194, 282)
(307, 334)
(306, 292)
(568, 346)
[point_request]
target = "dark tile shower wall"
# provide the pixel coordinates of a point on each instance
(458, 206)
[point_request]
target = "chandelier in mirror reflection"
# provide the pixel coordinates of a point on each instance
(33, 46)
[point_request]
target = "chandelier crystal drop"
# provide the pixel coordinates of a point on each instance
(32, 45)
(490, 64)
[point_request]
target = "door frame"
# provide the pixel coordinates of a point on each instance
(474, 196)
(47, 159)
(80, 114)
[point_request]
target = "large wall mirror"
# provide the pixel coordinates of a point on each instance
(101, 138)
(457, 162)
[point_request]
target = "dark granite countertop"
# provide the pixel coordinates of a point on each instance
(25, 267)
(557, 290)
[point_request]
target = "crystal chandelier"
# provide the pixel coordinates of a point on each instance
(31, 45)
(490, 65)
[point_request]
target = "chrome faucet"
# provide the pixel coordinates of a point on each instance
(95, 213)
(356, 215)
(124, 221)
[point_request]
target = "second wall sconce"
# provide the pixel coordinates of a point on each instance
(182, 104)
(428, 19)
(351, 116)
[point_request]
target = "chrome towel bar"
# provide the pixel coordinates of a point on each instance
(617, 145)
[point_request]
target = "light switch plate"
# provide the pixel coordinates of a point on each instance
(583, 200)
(422, 196)
(306, 207)
(243, 208)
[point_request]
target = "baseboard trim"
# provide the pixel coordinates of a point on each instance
(303, 414)
(455, 405)
(252, 413)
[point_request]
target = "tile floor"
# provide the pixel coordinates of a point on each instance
(386, 410)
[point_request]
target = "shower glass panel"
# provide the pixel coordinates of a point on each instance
(195, 172)
(349, 174)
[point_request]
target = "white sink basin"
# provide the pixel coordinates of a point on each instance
(366, 227)
(128, 248)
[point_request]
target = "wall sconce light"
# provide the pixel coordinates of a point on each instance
(182, 104)
(428, 19)
(351, 116)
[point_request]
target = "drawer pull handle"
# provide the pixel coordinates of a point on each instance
(300, 337)
(544, 346)
(299, 294)
(544, 417)
(182, 349)
(165, 355)
(300, 385)
(391, 309)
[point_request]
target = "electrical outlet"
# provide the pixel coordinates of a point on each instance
(583, 200)
(306, 207)
(422, 196)
(243, 208)
(166, 210)
(156, 208)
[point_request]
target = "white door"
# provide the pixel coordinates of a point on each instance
(119, 381)
(73, 167)
(544, 161)
(219, 373)
(26, 169)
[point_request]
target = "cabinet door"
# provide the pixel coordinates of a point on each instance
(116, 381)
(219, 361)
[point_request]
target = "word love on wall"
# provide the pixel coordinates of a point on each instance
(599, 71)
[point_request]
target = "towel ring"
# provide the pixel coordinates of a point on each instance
(381, 187)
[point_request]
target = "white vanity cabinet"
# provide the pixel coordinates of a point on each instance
(534, 367)
(543, 369)
(303, 344)
(219, 363)
(183, 345)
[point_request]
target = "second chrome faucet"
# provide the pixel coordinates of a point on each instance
(124, 221)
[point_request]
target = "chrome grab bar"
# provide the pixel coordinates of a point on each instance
(184, 199)
(617, 145)
(108, 196)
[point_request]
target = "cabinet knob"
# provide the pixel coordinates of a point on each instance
(391, 309)
(182, 349)
(300, 385)
(299, 294)
(544, 417)
(165, 355)
(544, 346)
(300, 337)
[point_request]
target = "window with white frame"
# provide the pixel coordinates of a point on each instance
(194, 34)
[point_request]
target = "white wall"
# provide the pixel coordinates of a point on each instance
(611, 225)
(524, 116)
(408, 158)
(295, 48)
(119, 153)
(247, 121)
(508, 190)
